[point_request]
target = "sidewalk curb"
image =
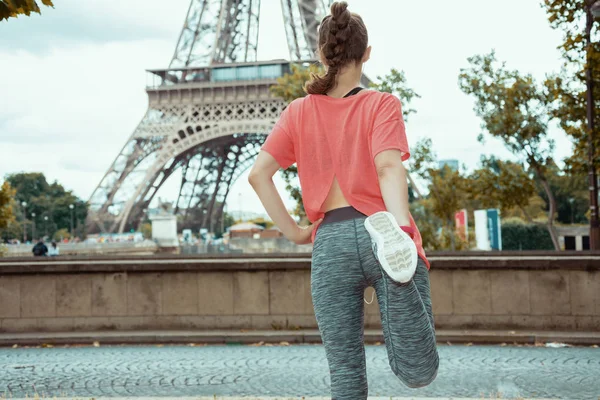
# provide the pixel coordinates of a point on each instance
(371, 336)
(261, 398)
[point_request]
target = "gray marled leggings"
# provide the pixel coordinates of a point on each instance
(343, 266)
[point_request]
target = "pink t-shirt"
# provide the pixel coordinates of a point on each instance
(339, 137)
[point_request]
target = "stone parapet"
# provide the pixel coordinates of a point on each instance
(165, 292)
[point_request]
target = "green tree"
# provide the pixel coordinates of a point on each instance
(496, 183)
(11, 216)
(422, 160)
(228, 220)
(14, 8)
(291, 86)
(46, 200)
(290, 177)
(146, 230)
(429, 225)
(7, 195)
(571, 193)
(395, 82)
(536, 210)
(502, 184)
(568, 89)
(61, 234)
(515, 109)
(448, 193)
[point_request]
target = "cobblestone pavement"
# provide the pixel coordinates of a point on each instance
(298, 370)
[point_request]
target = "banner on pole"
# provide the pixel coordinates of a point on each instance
(481, 230)
(495, 233)
(488, 232)
(462, 225)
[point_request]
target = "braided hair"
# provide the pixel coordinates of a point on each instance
(342, 39)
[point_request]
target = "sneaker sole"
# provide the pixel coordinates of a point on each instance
(396, 251)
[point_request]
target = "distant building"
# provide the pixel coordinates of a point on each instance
(246, 215)
(250, 230)
(453, 164)
(574, 237)
(245, 229)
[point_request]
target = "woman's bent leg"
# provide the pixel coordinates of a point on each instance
(408, 329)
(406, 318)
(337, 286)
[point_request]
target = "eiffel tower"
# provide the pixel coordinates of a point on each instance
(208, 113)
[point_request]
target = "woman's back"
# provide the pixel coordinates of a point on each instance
(334, 141)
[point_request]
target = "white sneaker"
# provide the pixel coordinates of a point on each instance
(393, 248)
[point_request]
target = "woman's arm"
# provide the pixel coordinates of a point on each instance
(393, 184)
(261, 180)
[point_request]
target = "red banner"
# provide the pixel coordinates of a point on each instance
(462, 226)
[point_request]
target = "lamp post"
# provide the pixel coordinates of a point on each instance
(24, 204)
(33, 226)
(46, 224)
(592, 11)
(72, 207)
(571, 201)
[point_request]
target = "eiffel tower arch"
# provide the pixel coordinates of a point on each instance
(208, 113)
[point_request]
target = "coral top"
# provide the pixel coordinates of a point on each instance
(339, 137)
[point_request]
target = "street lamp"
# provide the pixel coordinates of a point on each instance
(46, 224)
(72, 207)
(24, 204)
(593, 11)
(571, 201)
(33, 226)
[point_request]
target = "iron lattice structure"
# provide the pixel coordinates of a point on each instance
(208, 113)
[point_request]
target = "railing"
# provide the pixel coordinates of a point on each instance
(218, 73)
(146, 247)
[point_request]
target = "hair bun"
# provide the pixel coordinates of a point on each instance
(340, 15)
(343, 39)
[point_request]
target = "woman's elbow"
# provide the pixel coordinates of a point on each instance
(252, 177)
(255, 176)
(389, 169)
(389, 162)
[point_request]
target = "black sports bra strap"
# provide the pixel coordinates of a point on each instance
(353, 91)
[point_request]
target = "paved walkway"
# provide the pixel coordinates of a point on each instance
(293, 371)
(313, 336)
(272, 398)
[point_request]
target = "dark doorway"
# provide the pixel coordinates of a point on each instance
(570, 243)
(586, 242)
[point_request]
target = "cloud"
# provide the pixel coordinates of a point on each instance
(93, 21)
(68, 112)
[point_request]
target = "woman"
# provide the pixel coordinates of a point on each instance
(349, 145)
(53, 250)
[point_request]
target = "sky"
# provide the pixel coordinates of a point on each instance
(72, 81)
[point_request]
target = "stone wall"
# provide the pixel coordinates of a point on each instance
(267, 245)
(248, 292)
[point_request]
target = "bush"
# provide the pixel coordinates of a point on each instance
(3, 250)
(61, 234)
(517, 236)
(146, 229)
